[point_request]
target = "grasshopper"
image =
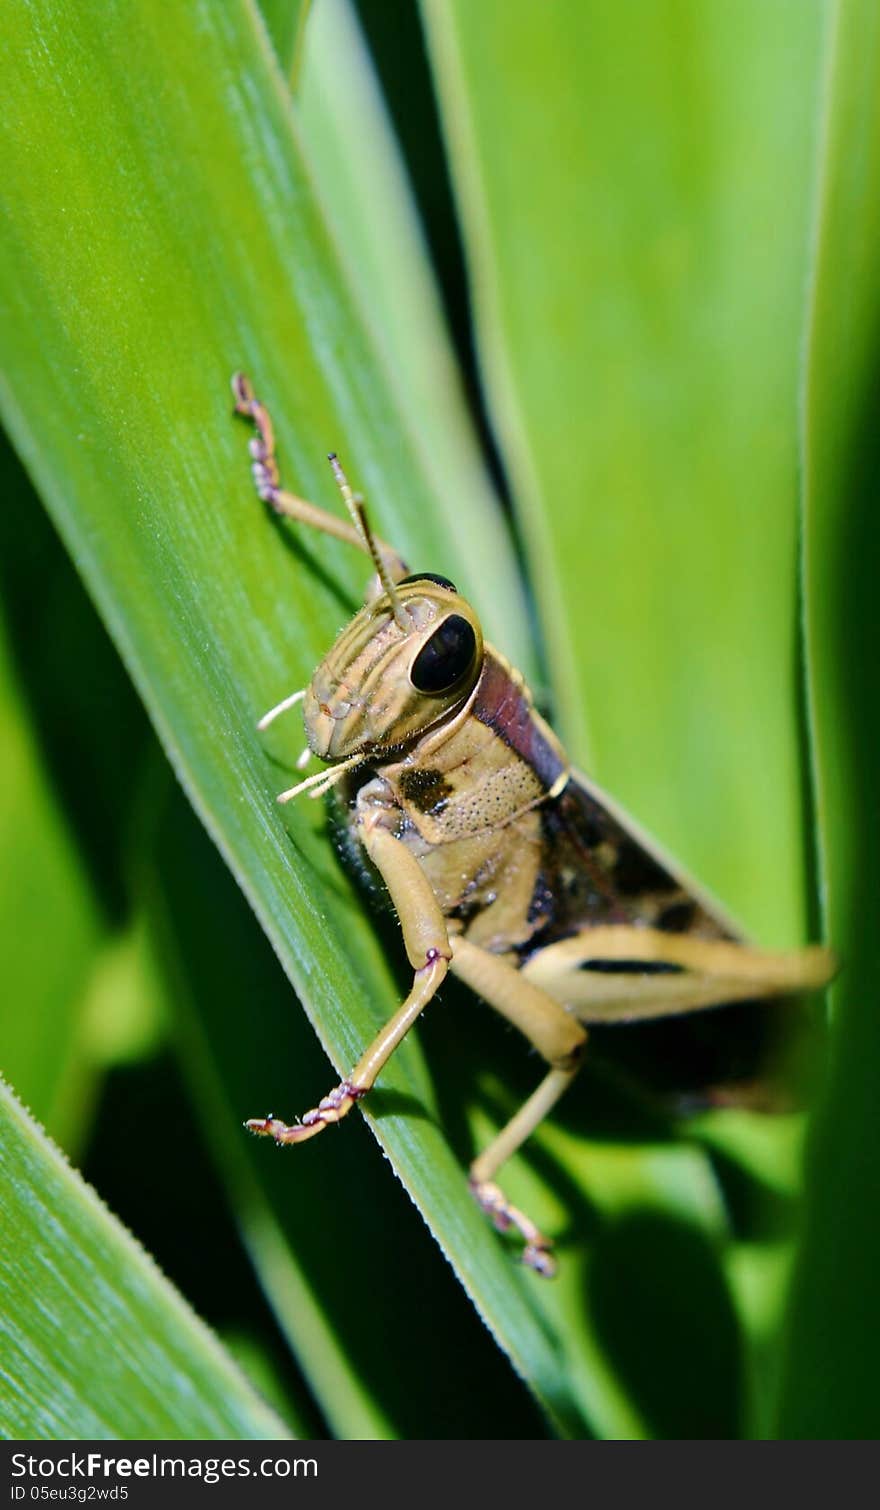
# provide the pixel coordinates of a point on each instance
(503, 865)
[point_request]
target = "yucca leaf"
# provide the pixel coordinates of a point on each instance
(94, 1342)
(640, 331)
(829, 1386)
(161, 234)
(640, 337)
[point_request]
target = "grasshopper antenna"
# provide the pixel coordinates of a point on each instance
(286, 702)
(355, 506)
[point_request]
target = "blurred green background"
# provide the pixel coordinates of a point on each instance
(587, 297)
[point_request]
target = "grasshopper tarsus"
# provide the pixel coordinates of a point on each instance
(242, 392)
(540, 1259)
(280, 1132)
(504, 1215)
(331, 1108)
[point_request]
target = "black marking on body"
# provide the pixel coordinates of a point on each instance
(630, 967)
(427, 791)
(542, 905)
(468, 907)
(574, 889)
(593, 872)
(636, 872)
(678, 917)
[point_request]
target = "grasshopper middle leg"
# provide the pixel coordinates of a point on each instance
(560, 1039)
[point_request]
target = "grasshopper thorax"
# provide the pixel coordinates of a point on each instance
(383, 685)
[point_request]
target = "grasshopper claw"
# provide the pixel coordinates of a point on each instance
(536, 1253)
(331, 1109)
(537, 1256)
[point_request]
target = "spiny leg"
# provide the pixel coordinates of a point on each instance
(491, 1198)
(427, 946)
(267, 479)
(339, 1102)
(532, 999)
(560, 1039)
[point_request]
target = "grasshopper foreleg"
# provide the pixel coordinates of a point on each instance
(342, 1098)
(267, 480)
(427, 945)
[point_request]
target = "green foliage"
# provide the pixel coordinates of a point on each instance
(640, 336)
(95, 1343)
(836, 1308)
(642, 206)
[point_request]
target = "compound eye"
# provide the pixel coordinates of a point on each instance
(429, 576)
(448, 654)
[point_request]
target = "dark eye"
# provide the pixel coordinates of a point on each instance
(428, 576)
(446, 657)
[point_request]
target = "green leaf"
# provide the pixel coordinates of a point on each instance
(830, 1383)
(360, 179)
(69, 778)
(286, 23)
(640, 334)
(617, 167)
(150, 250)
(94, 1342)
(40, 877)
(339, 1249)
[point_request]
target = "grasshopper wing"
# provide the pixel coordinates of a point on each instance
(627, 939)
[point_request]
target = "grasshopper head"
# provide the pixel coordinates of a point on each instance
(382, 684)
